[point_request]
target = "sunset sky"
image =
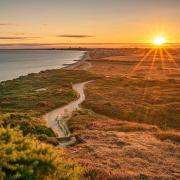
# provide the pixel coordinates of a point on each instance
(52, 22)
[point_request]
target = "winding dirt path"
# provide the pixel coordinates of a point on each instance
(57, 118)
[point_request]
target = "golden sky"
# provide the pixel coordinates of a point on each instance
(44, 22)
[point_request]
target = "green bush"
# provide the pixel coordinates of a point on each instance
(27, 158)
(27, 123)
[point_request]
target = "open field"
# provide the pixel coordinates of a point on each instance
(129, 128)
(135, 95)
(148, 101)
(117, 149)
(123, 61)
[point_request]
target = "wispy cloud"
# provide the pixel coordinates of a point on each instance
(74, 36)
(4, 24)
(7, 24)
(16, 38)
(22, 44)
(22, 34)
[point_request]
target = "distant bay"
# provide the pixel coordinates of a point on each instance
(15, 63)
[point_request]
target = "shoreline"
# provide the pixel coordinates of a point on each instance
(75, 63)
(78, 62)
(55, 119)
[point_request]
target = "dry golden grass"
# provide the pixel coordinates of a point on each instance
(169, 135)
(121, 62)
(142, 95)
(118, 144)
(145, 101)
(115, 149)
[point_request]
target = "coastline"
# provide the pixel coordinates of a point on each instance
(78, 62)
(75, 62)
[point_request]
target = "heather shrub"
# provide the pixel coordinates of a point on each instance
(26, 158)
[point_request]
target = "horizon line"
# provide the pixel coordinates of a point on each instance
(82, 45)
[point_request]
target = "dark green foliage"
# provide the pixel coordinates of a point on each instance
(22, 158)
(26, 123)
(26, 158)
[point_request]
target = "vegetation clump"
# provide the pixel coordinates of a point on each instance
(27, 123)
(26, 158)
(146, 101)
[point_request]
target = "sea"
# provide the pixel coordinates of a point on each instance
(15, 63)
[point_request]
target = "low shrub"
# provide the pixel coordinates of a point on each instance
(26, 158)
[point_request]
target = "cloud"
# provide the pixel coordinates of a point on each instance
(74, 36)
(7, 24)
(16, 38)
(4, 24)
(21, 34)
(28, 44)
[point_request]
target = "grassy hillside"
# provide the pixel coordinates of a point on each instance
(148, 101)
(25, 99)
(22, 103)
(39, 93)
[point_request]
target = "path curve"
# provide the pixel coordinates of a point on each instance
(57, 119)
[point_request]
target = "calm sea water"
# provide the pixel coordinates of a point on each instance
(14, 63)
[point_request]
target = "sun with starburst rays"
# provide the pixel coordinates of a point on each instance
(157, 53)
(159, 41)
(157, 61)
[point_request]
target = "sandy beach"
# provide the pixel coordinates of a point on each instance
(79, 62)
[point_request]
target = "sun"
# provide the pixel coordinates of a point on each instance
(159, 41)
